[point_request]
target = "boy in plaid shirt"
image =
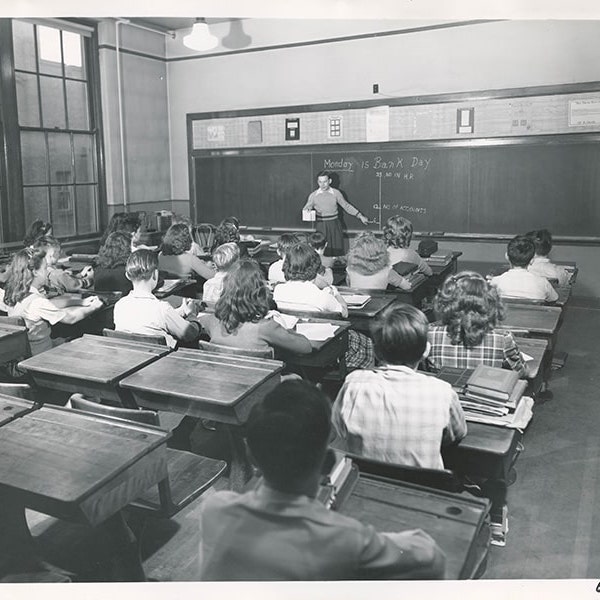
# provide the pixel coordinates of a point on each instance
(392, 413)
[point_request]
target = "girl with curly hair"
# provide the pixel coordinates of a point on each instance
(28, 273)
(397, 233)
(468, 309)
(240, 314)
(175, 258)
(368, 265)
(109, 268)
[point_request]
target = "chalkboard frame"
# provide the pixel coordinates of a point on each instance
(413, 145)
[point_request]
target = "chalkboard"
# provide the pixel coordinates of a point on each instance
(499, 189)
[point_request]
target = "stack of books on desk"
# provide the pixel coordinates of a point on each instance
(441, 258)
(492, 395)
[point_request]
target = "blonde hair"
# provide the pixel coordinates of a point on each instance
(397, 232)
(225, 255)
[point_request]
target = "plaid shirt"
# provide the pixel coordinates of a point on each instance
(497, 349)
(397, 415)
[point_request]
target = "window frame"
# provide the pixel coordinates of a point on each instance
(12, 206)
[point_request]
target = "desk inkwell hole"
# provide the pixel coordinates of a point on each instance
(8, 407)
(454, 510)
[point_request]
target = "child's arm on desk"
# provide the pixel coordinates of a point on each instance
(85, 307)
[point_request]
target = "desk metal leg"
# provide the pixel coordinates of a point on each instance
(18, 553)
(127, 565)
(240, 471)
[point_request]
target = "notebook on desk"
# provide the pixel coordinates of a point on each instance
(356, 300)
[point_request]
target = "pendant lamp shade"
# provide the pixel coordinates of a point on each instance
(200, 37)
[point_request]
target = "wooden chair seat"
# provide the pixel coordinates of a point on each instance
(221, 349)
(158, 340)
(189, 475)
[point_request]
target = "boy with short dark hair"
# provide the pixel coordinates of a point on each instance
(541, 264)
(518, 282)
(325, 276)
(142, 312)
(279, 531)
(392, 413)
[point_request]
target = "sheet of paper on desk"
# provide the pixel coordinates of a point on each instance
(356, 300)
(287, 321)
(317, 332)
(526, 357)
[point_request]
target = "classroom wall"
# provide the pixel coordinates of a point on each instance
(145, 119)
(479, 57)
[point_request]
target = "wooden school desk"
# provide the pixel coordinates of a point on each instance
(207, 385)
(540, 321)
(13, 342)
(92, 365)
(361, 318)
(456, 522)
(76, 467)
(325, 353)
(537, 348)
(487, 452)
(449, 268)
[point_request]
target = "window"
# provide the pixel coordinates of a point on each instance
(56, 152)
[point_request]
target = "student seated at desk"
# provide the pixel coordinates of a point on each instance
(541, 263)
(518, 282)
(109, 269)
(175, 258)
(300, 293)
(195, 247)
(279, 531)
(468, 309)
(224, 257)
(59, 280)
(284, 243)
(23, 297)
(142, 312)
(37, 230)
(122, 222)
(392, 413)
(229, 231)
(240, 314)
(368, 265)
(317, 241)
(397, 234)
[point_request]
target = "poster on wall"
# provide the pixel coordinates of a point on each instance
(378, 124)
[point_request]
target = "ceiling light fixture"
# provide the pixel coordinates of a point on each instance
(237, 37)
(200, 37)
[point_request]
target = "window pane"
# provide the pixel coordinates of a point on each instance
(59, 150)
(53, 102)
(36, 204)
(77, 105)
(85, 158)
(73, 55)
(49, 50)
(33, 157)
(27, 100)
(24, 46)
(86, 209)
(63, 210)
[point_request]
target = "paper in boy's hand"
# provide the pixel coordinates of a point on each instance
(318, 332)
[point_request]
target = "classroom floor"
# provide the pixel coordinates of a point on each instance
(554, 531)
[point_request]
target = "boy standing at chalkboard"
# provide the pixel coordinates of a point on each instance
(324, 201)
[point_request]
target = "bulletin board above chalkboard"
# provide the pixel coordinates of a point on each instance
(458, 187)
